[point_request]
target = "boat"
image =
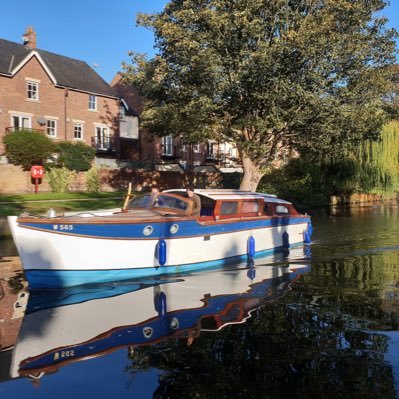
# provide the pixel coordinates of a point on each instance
(86, 322)
(155, 235)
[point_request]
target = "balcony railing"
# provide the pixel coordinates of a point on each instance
(11, 129)
(104, 144)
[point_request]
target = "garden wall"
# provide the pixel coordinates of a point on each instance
(15, 181)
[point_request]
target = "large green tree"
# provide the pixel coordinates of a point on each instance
(309, 75)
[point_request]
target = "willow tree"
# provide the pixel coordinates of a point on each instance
(379, 160)
(308, 75)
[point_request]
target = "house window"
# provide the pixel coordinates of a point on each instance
(184, 164)
(167, 145)
(103, 140)
(92, 102)
(196, 148)
(122, 113)
(33, 91)
(78, 131)
(51, 127)
(20, 122)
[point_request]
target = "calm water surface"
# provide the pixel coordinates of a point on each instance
(319, 322)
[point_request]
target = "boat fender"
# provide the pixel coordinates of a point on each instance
(162, 251)
(307, 234)
(251, 247)
(286, 240)
(160, 304)
(251, 273)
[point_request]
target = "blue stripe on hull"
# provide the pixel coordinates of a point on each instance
(39, 279)
(189, 228)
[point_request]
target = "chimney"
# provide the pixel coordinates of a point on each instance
(29, 38)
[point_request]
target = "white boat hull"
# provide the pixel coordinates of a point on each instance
(106, 259)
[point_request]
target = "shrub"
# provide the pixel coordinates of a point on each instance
(27, 148)
(93, 180)
(60, 179)
(75, 156)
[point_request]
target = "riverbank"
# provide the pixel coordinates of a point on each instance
(61, 203)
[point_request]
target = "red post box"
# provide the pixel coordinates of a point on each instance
(36, 172)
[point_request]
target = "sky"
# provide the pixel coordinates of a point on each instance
(99, 32)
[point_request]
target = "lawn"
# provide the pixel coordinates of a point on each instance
(61, 202)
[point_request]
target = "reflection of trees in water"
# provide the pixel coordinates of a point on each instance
(322, 340)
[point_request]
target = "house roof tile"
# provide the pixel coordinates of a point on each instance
(68, 72)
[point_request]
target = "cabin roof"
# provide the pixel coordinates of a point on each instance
(226, 194)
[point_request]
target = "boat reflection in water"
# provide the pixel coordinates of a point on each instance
(64, 326)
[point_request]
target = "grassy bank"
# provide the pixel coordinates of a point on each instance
(61, 202)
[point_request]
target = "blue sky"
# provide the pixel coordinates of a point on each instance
(100, 32)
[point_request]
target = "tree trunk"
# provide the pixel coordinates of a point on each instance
(252, 174)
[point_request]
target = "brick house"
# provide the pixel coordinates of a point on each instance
(66, 99)
(59, 96)
(168, 150)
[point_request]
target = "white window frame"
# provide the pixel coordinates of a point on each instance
(32, 90)
(167, 145)
(78, 128)
(24, 121)
(196, 148)
(92, 102)
(51, 127)
(103, 138)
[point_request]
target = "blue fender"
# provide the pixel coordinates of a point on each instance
(162, 251)
(251, 247)
(307, 234)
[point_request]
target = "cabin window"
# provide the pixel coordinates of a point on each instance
(140, 202)
(250, 207)
(282, 209)
(229, 208)
(165, 201)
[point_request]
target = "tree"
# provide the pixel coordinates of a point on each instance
(76, 156)
(27, 148)
(309, 75)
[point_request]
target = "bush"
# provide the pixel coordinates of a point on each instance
(76, 156)
(93, 180)
(60, 179)
(27, 148)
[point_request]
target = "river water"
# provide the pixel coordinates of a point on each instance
(318, 322)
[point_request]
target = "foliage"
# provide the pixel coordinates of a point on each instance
(231, 180)
(93, 180)
(76, 156)
(310, 76)
(27, 148)
(60, 179)
(380, 160)
(371, 167)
